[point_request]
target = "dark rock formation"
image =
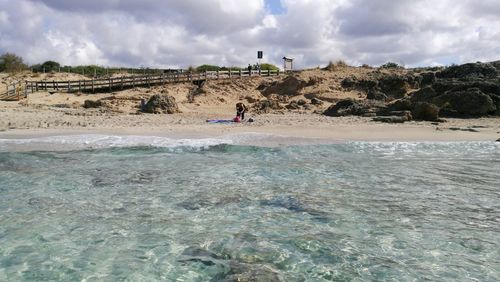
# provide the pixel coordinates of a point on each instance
(316, 101)
(87, 104)
(289, 86)
(399, 105)
(425, 111)
(345, 108)
(469, 71)
(496, 64)
(486, 86)
(374, 94)
(360, 84)
(396, 86)
(266, 106)
(301, 102)
(423, 95)
(427, 78)
(160, 104)
(391, 119)
(471, 102)
(293, 105)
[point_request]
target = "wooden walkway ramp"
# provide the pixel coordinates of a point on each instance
(118, 83)
(13, 91)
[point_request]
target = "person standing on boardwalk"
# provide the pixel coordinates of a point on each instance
(249, 70)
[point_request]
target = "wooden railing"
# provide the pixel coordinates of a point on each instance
(124, 82)
(13, 91)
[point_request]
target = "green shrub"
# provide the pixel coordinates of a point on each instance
(267, 66)
(10, 62)
(333, 66)
(204, 68)
(391, 65)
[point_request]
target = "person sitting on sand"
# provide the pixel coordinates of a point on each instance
(240, 110)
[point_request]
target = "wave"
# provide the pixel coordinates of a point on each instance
(103, 141)
(99, 141)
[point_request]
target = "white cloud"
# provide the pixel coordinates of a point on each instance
(173, 33)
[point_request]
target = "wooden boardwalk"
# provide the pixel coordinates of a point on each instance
(125, 82)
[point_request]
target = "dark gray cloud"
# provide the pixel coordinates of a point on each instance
(172, 33)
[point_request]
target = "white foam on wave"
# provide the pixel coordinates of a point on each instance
(100, 141)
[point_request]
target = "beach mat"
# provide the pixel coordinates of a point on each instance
(219, 120)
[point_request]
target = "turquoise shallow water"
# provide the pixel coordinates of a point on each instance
(354, 211)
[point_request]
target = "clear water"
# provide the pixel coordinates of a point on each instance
(204, 211)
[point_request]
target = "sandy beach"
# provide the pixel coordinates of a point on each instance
(48, 113)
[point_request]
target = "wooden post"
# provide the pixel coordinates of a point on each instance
(133, 81)
(122, 82)
(240, 73)
(217, 74)
(110, 82)
(26, 89)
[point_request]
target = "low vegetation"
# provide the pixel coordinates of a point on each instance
(11, 63)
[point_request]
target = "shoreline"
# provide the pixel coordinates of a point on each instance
(340, 130)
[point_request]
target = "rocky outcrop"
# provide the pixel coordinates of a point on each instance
(425, 111)
(316, 101)
(425, 94)
(266, 106)
(382, 86)
(87, 104)
(396, 86)
(469, 71)
(471, 102)
(374, 94)
(391, 119)
(346, 108)
(161, 104)
(427, 78)
(290, 86)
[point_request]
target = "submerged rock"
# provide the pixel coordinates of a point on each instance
(251, 272)
(195, 254)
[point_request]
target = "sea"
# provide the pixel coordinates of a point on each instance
(247, 207)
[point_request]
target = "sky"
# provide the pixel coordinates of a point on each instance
(183, 33)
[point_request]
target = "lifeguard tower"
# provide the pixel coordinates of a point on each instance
(287, 64)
